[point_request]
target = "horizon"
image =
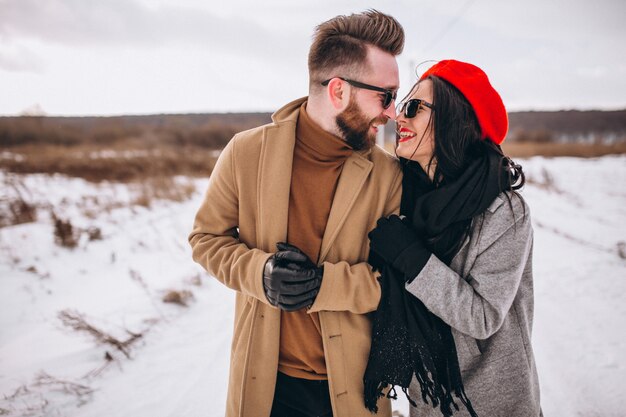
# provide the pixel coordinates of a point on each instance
(623, 109)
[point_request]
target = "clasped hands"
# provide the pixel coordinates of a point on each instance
(290, 279)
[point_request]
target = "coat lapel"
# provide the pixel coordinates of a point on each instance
(353, 175)
(274, 184)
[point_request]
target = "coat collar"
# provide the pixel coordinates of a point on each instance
(275, 182)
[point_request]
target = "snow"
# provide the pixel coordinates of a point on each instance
(179, 367)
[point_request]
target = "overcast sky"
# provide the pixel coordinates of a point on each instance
(107, 57)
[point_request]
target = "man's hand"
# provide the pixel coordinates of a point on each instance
(290, 279)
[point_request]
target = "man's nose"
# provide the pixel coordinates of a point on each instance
(390, 111)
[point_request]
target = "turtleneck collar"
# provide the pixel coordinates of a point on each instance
(318, 143)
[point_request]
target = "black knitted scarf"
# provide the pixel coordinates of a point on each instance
(407, 339)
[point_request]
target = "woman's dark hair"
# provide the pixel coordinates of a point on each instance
(458, 142)
(458, 139)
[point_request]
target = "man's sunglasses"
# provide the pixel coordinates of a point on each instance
(388, 95)
(410, 108)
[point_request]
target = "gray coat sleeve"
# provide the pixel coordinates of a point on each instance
(475, 293)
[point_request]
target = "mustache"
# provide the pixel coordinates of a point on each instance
(379, 120)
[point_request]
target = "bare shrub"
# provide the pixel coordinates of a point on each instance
(180, 297)
(64, 233)
(68, 236)
(16, 209)
(195, 280)
(108, 360)
(621, 249)
(24, 402)
(77, 321)
(546, 181)
(162, 188)
(29, 400)
(80, 391)
(136, 276)
(94, 233)
(22, 212)
(548, 178)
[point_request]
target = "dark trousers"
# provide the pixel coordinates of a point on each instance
(296, 397)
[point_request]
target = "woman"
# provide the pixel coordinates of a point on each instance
(456, 310)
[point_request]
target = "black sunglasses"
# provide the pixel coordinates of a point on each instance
(410, 108)
(388, 95)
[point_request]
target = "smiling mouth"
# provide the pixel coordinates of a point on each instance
(405, 135)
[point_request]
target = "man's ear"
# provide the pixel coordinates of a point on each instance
(338, 93)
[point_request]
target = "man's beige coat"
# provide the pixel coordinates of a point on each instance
(243, 216)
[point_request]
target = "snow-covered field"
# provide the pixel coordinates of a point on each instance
(172, 359)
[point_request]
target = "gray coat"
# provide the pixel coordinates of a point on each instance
(486, 296)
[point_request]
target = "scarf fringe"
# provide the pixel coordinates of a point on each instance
(460, 393)
(372, 392)
(400, 353)
(437, 396)
(408, 397)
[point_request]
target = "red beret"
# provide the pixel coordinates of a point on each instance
(473, 83)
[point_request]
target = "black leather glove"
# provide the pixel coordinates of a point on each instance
(290, 279)
(395, 242)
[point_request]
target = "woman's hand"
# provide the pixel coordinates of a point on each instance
(395, 242)
(391, 237)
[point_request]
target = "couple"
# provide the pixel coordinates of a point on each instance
(340, 301)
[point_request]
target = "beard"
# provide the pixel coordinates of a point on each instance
(355, 127)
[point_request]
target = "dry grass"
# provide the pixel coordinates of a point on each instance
(29, 400)
(122, 164)
(15, 208)
(161, 188)
(528, 149)
(146, 184)
(180, 297)
(77, 322)
(118, 148)
(64, 233)
(80, 391)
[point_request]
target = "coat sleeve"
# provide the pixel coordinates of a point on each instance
(215, 240)
(355, 288)
(477, 305)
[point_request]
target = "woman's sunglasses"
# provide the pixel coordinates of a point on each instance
(411, 107)
(387, 95)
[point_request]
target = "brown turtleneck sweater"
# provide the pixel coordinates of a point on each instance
(317, 162)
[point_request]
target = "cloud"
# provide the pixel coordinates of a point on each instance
(19, 59)
(129, 23)
(562, 20)
(117, 56)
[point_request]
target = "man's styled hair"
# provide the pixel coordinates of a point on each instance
(339, 45)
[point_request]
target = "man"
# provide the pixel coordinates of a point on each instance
(314, 180)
